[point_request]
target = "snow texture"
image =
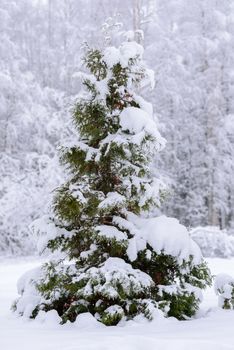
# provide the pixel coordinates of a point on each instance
(212, 329)
(45, 230)
(165, 235)
(26, 286)
(39, 79)
(111, 232)
(136, 120)
(116, 269)
(224, 288)
(122, 55)
(112, 199)
(213, 241)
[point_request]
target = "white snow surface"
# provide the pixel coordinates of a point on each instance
(112, 199)
(224, 286)
(26, 305)
(123, 54)
(115, 269)
(111, 232)
(45, 229)
(135, 120)
(163, 234)
(221, 281)
(212, 329)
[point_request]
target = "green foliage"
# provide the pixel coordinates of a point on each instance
(200, 276)
(112, 318)
(94, 63)
(108, 161)
(66, 206)
(90, 120)
(72, 292)
(165, 271)
(182, 306)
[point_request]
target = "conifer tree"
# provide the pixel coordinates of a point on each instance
(121, 265)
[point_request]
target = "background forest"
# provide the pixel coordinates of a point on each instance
(190, 46)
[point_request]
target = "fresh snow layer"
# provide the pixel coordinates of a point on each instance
(163, 234)
(31, 298)
(224, 287)
(211, 330)
(45, 229)
(221, 280)
(122, 55)
(112, 199)
(114, 269)
(111, 232)
(135, 120)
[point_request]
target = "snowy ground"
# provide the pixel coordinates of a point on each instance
(212, 330)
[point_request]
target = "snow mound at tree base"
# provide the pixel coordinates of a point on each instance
(116, 290)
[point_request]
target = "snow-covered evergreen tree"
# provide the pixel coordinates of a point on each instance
(189, 45)
(121, 265)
